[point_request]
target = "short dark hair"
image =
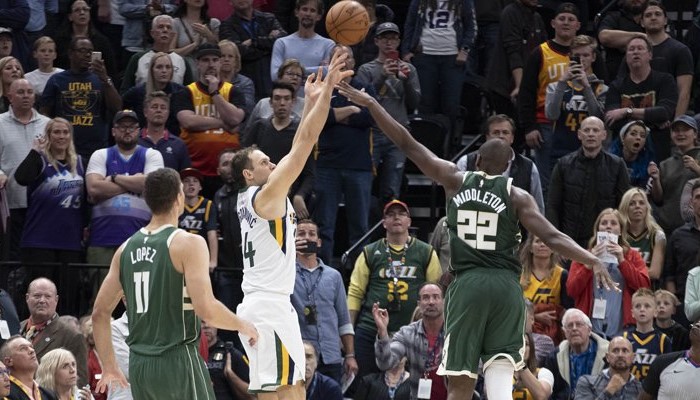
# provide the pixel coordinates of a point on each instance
(650, 46)
(497, 119)
(320, 9)
(424, 284)
(241, 161)
(282, 85)
(161, 190)
(695, 186)
(654, 3)
(76, 39)
(307, 221)
(158, 94)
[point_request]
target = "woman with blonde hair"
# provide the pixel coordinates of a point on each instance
(230, 68)
(58, 373)
(10, 71)
(643, 233)
(544, 283)
(610, 310)
(532, 382)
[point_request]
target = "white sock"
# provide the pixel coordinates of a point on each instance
(498, 380)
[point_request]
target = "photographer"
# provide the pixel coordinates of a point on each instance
(320, 301)
(227, 367)
(388, 272)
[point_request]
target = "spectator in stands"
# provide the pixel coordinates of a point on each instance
(585, 182)
(22, 362)
(582, 353)
(227, 366)
(45, 54)
(388, 274)
(138, 15)
(46, 332)
(159, 79)
(318, 386)
(635, 148)
(542, 344)
(321, 304)
(230, 68)
(94, 363)
(193, 27)
(78, 25)
(643, 94)
(38, 11)
(209, 113)
(682, 251)
(114, 185)
(610, 310)
(617, 29)
(545, 65)
(4, 381)
(305, 45)
(5, 42)
(576, 95)
(391, 384)
(57, 372)
(344, 165)
(647, 341)
(666, 303)
(200, 216)
(523, 171)
(19, 126)
(10, 71)
(227, 285)
(544, 283)
(55, 178)
(274, 137)
(521, 31)
(440, 58)
(642, 232)
(14, 15)
(419, 343)
(291, 72)
(532, 381)
(398, 91)
(669, 177)
(156, 135)
(254, 32)
(85, 95)
(137, 70)
(9, 314)
(614, 382)
(674, 375)
(670, 55)
(692, 295)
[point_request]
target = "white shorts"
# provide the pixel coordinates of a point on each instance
(278, 357)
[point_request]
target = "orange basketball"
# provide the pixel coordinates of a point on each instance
(347, 22)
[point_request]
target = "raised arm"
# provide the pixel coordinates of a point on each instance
(270, 201)
(441, 171)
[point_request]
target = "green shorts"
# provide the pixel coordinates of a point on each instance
(177, 374)
(484, 319)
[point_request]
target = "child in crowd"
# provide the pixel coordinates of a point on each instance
(45, 55)
(666, 303)
(647, 342)
(200, 216)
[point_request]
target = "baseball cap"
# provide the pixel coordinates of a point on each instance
(125, 114)
(396, 203)
(385, 27)
(567, 8)
(685, 119)
(6, 30)
(206, 49)
(191, 172)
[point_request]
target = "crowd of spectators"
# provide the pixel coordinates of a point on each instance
(96, 94)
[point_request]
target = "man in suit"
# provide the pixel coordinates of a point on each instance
(46, 331)
(18, 354)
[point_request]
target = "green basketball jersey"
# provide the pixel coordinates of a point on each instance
(483, 225)
(158, 306)
(394, 275)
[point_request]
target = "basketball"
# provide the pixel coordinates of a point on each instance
(347, 22)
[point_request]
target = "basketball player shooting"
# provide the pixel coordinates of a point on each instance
(268, 243)
(484, 306)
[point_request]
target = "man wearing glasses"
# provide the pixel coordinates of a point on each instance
(84, 95)
(115, 180)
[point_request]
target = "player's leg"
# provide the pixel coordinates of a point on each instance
(292, 392)
(267, 396)
(460, 387)
(498, 380)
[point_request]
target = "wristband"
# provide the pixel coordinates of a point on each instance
(214, 93)
(350, 355)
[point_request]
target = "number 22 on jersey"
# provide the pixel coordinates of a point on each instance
(475, 226)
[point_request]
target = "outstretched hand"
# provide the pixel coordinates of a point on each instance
(359, 97)
(337, 71)
(109, 379)
(602, 278)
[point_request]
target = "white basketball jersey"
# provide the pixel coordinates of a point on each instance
(269, 251)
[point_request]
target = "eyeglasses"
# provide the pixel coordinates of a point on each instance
(574, 324)
(130, 128)
(83, 50)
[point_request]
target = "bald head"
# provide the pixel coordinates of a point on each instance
(42, 299)
(21, 95)
(493, 157)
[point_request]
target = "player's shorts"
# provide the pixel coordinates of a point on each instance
(278, 357)
(484, 319)
(179, 373)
